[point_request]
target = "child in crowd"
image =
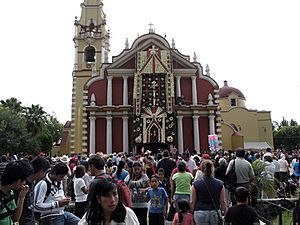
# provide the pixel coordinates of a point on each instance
(158, 202)
(241, 214)
(162, 181)
(183, 217)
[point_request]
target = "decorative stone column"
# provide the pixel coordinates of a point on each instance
(125, 90)
(180, 134)
(178, 86)
(92, 134)
(108, 135)
(125, 134)
(211, 124)
(109, 90)
(196, 133)
(194, 90)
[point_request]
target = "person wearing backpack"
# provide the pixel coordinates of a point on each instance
(40, 165)
(50, 199)
(96, 164)
(243, 170)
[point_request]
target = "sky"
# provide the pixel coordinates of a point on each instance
(253, 44)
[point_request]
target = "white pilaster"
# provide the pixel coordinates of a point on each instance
(178, 86)
(125, 134)
(180, 134)
(211, 124)
(108, 135)
(194, 90)
(92, 134)
(125, 90)
(196, 133)
(109, 90)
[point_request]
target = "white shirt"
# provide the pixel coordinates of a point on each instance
(284, 165)
(80, 196)
(191, 164)
(130, 219)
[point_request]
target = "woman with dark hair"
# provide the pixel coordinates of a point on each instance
(106, 207)
(81, 191)
(138, 183)
(208, 194)
(121, 173)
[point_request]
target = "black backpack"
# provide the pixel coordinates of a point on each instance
(70, 187)
(230, 179)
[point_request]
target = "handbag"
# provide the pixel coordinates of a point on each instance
(220, 219)
(230, 179)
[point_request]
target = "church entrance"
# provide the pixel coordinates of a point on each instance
(153, 147)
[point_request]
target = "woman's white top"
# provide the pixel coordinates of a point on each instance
(80, 196)
(130, 219)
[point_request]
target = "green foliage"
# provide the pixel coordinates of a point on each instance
(26, 129)
(13, 133)
(13, 104)
(262, 183)
(286, 134)
(287, 137)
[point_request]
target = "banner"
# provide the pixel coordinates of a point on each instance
(213, 142)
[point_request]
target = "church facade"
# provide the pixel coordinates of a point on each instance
(150, 95)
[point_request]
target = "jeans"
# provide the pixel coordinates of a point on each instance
(141, 214)
(156, 219)
(66, 219)
(180, 196)
(206, 217)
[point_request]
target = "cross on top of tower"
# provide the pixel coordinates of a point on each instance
(151, 30)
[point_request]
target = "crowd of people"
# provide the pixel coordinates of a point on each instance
(146, 188)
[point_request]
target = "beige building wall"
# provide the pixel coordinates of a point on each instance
(225, 103)
(265, 127)
(252, 125)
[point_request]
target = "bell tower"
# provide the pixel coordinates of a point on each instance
(91, 51)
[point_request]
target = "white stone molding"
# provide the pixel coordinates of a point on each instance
(108, 135)
(109, 90)
(125, 90)
(196, 133)
(180, 133)
(178, 86)
(194, 90)
(125, 134)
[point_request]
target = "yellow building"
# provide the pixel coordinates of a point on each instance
(242, 127)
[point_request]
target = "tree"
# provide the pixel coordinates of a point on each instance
(293, 123)
(55, 128)
(287, 137)
(36, 119)
(13, 134)
(13, 104)
(284, 123)
(26, 129)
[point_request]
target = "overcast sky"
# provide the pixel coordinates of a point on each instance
(254, 45)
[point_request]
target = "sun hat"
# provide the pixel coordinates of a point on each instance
(64, 159)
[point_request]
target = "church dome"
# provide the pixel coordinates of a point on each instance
(225, 91)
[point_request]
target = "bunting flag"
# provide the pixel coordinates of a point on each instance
(213, 142)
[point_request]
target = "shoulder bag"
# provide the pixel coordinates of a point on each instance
(220, 221)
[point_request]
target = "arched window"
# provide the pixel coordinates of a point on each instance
(90, 54)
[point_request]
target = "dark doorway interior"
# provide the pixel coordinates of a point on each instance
(153, 147)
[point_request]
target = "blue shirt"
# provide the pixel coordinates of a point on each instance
(296, 169)
(157, 199)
